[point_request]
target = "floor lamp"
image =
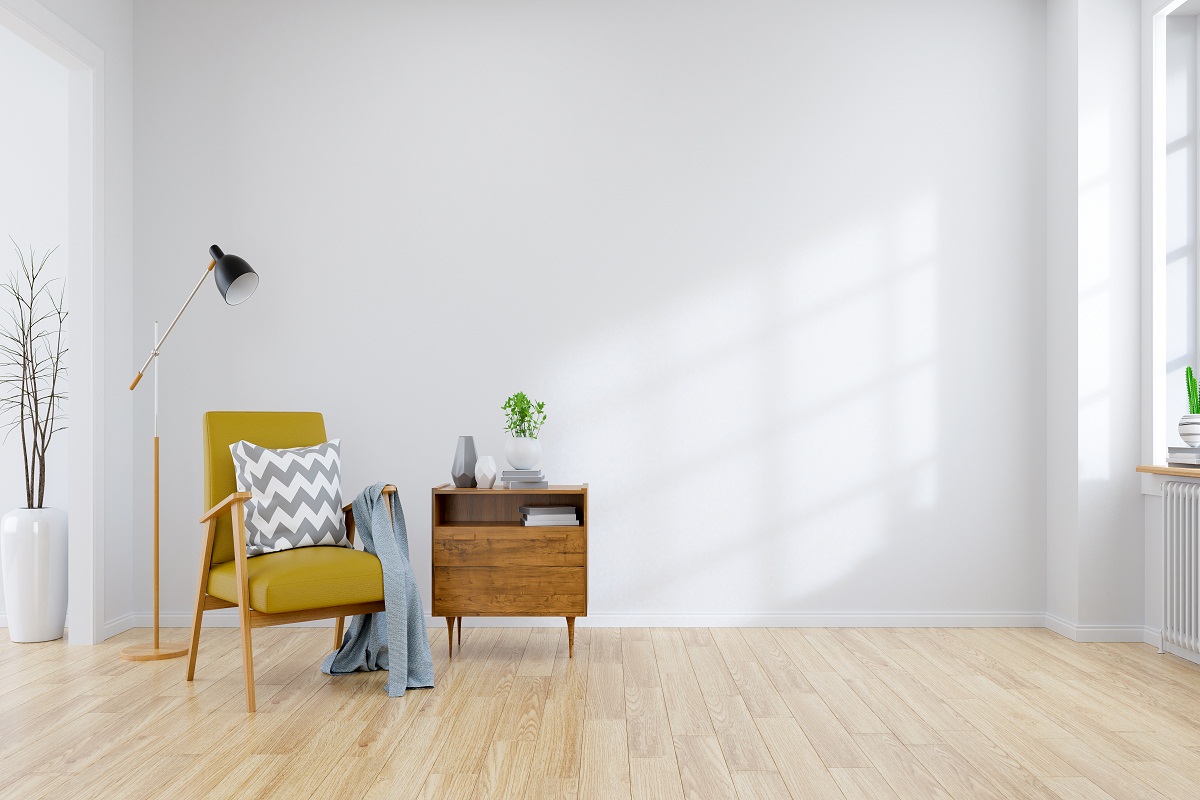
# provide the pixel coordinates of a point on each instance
(236, 281)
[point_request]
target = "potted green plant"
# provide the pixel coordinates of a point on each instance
(1189, 424)
(523, 419)
(33, 539)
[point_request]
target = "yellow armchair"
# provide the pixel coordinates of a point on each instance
(276, 588)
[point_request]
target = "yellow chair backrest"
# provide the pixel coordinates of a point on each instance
(265, 428)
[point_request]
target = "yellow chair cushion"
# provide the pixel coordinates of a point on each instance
(303, 579)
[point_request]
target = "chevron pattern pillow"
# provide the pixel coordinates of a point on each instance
(296, 496)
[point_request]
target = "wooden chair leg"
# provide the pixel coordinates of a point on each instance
(338, 627)
(248, 662)
(201, 590)
(570, 637)
(197, 617)
(243, 587)
(450, 634)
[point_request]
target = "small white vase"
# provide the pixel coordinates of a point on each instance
(523, 453)
(1189, 429)
(33, 555)
(485, 472)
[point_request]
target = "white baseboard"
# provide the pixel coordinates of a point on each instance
(1014, 620)
(225, 618)
(1095, 633)
(1152, 636)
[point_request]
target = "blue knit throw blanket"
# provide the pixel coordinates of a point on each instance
(394, 639)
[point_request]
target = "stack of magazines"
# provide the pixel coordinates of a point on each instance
(538, 516)
(1183, 456)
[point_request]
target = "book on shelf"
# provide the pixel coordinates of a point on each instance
(528, 484)
(522, 474)
(548, 521)
(537, 511)
(1183, 456)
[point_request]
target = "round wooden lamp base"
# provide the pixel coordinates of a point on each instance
(148, 652)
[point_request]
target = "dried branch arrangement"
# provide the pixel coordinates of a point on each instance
(33, 366)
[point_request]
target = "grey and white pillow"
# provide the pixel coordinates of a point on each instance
(296, 496)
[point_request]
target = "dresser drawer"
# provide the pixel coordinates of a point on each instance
(508, 546)
(518, 591)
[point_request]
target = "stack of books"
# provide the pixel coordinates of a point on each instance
(524, 479)
(1183, 456)
(537, 516)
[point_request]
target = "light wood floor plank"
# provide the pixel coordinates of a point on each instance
(900, 768)
(740, 740)
(655, 779)
(863, 784)
(702, 769)
(522, 716)
(1076, 789)
(828, 736)
(686, 708)
(798, 764)
(845, 704)
(779, 713)
(760, 786)
(647, 725)
(604, 764)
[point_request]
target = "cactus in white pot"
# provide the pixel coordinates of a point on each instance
(1189, 424)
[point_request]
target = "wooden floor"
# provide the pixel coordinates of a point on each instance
(647, 713)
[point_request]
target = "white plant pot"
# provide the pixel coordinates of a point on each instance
(1189, 429)
(33, 555)
(523, 453)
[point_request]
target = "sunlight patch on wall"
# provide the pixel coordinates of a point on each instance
(1094, 300)
(770, 422)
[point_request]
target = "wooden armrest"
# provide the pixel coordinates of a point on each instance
(236, 497)
(389, 489)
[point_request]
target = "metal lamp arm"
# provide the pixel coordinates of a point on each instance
(171, 327)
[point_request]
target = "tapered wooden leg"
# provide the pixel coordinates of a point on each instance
(570, 637)
(197, 617)
(248, 663)
(338, 627)
(459, 634)
(241, 570)
(450, 634)
(210, 531)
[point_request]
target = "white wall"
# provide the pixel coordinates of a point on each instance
(33, 211)
(776, 269)
(1094, 517)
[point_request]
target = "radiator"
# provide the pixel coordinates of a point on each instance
(1181, 569)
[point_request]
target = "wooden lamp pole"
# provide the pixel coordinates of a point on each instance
(236, 282)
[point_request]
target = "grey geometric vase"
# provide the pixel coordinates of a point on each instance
(463, 468)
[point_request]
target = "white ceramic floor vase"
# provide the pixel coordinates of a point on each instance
(33, 556)
(521, 452)
(1189, 429)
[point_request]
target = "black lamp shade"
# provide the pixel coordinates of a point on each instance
(236, 280)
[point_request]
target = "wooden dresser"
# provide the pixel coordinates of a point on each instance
(487, 564)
